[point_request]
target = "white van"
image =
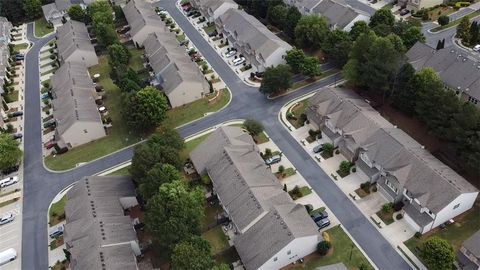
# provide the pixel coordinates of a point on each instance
(8, 181)
(7, 256)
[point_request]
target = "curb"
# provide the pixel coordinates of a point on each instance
(300, 88)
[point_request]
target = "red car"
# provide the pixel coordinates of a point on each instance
(50, 144)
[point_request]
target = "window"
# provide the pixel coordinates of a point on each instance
(456, 206)
(391, 186)
(275, 259)
(289, 252)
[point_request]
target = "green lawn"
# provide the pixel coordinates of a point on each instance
(12, 96)
(119, 135)
(453, 23)
(21, 46)
(297, 111)
(209, 29)
(217, 239)
(8, 202)
(464, 226)
(121, 172)
(181, 37)
(261, 138)
(136, 61)
(57, 211)
(42, 27)
(343, 250)
(386, 217)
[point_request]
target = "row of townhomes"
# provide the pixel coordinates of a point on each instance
(5, 32)
(403, 170)
(74, 108)
(339, 15)
(174, 73)
(272, 231)
(459, 71)
(99, 232)
(54, 12)
(74, 95)
(469, 254)
(212, 9)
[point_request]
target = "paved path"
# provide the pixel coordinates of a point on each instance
(41, 185)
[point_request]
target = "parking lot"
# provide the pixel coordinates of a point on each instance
(11, 233)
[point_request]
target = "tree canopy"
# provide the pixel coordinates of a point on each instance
(382, 16)
(193, 253)
(77, 13)
(174, 214)
(311, 31)
(253, 127)
(159, 174)
(294, 59)
(277, 15)
(438, 253)
(32, 8)
(145, 109)
(10, 154)
(276, 79)
(291, 21)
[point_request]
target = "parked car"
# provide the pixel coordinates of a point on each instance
(8, 181)
(7, 256)
(213, 33)
(20, 54)
(476, 48)
(19, 57)
(57, 232)
(230, 53)
(322, 223)
(50, 144)
(7, 218)
(404, 12)
(273, 160)
(239, 61)
(185, 42)
(17, 113)
(318, 148)
(17, 136)
(319, 215)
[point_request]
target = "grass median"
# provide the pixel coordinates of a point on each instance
(42, 27)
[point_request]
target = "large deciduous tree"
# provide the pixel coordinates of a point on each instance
(382, 16)
(291, 21)
(277, 15)
(145, 109)
(358, 28)
(10, 154)
(174, 214)
(337, 46)
(193, 253)
(77, 13)
(118, 54)
(12, 10)
(253, 127)
(438, 253)
(294, 59)
(32, 8)
(310, 67)
(156, 176)
(311, 31)
(276, 79)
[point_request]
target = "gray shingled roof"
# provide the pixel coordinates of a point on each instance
(456, 68)
(472, 244)
(266, 217)
(251, 32)
(5, 29)
(172, 65)
(140, 14)
(73, 36)
(206, 5)
(96, 231)
(74, 96)
(338, 14)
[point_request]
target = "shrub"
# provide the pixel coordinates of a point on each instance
(268, 153)
(365, 186)
(53, 57)
(323, 247)
(398, 206)
(337, 152)
(418, 235)
(303, 118)
(51, 50)
(308, 207)
(344, 167)
(363, 267)
(253, 127)
(328, 149)
(399, 216)
(290, 115)
(387, 208)
(354, 169)
(374, 188)
(281, 169)
(443, 20)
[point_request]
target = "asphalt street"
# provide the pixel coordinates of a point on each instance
(41, 185)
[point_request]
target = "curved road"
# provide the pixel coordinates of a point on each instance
(41, 185)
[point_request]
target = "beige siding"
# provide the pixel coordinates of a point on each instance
(186, 92)
(89, 58)
(76, 134)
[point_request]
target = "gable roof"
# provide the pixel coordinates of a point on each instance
(249, 31)
(472, 244)
(266, 217)
(455, 68)
(337, 14)
(97, 233)
(73, 36)
(74, 96)
(140, 14)
(171, 64)
(5, 29)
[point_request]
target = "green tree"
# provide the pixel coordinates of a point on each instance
(310, 67)
(403, 95)
(293, 16)
(162, 147)
(337, 46)
(13, 10)
(253, 127)
(353, 70)
(358, 28)
(106, 34)
(474, 33)
(438, 253)
(311, 31)
(328, 148)
(174, 214)
(145, 109)
(411, 36)
(193, 253)
(77, 13)
(276, 79)
(463, 30)
(382, 16)
(294, 58)
(156, 176)
(429, 89)
(277, 15)
(100, 6)
(443, 20)
(397, 43)
(32, 8)
(344, 167)
(11, 154)
(118, 54)
(127, 85)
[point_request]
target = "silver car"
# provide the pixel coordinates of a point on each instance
(7, 218)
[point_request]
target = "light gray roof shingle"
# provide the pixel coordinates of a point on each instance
(337, 14)
(472, 244)
(140, 14)
(73, 36)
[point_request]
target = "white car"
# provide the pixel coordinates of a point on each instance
(8, 181)
(239, 61)
(230, 53)
(476, 48)
(7, 218)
